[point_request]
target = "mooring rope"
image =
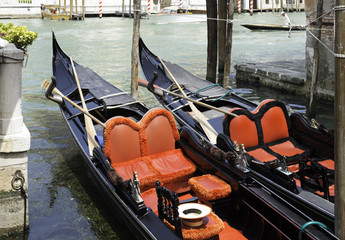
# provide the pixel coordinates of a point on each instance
(213, 85)
(336, 8)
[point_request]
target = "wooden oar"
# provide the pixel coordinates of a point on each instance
(90, 128)
(45, 85)
(144, 83)
(210, 132)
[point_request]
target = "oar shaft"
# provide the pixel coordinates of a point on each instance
(198, 102)
(185, 95)
(56, 91)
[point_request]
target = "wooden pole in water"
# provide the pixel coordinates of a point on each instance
(211, 6)
(135, 48)
(123, 8)
(70, 9)
(228, 46)
(64, 6)
(83, 3)
(339, 103)
(313, 84)
(130, 9)
(222, 13)
(76, 6)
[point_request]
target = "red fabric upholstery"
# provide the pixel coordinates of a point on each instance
(209, 187)
(143, 166)
(147, 147)
(122, 140)
(172, 165)
(264, 132)
(286, 149)
(211, 226)
(231, 233)
(274, 125)
(328, 163)
(161, 131)
(244, 131)
(261, 155)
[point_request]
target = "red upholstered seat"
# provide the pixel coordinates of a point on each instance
(264, 132)
(123, 148)
(161, 134)
(209, 187)
(262, 155)
(147, 147)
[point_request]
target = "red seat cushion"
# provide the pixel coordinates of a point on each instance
(329, 163)
(261, 155)
(160, 131)
(147, 147)
(172, 165)
(274, 124)
(286, 149)
(146, 172)
(209, 187)
(122, 140)
(243, 130)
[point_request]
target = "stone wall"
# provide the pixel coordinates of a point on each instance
(325, 79)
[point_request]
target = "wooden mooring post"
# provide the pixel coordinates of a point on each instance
(339, 105)
(135, 48)
(211, 6)
(222, 13)
(313, 84)
(228, 46)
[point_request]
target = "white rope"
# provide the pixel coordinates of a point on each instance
(336, 8)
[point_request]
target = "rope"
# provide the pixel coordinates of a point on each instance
(311, 223)
(212, 85)
(207, 87)
(227, 93)
(336, 8)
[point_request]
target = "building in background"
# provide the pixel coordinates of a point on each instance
(32, 8)
(269, 5)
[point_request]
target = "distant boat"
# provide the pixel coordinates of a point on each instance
(54, 12)
(259, 26)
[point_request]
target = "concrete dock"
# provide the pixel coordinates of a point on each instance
(287, 76)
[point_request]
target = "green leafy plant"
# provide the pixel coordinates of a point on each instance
(20, 36)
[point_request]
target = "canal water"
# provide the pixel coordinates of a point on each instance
(63, 204)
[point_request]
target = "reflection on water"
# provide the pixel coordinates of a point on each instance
(63, 204)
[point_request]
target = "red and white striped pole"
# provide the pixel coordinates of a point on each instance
(100, 9)
(148, 7)
(180, 4)
(251, 7)
(239, 6)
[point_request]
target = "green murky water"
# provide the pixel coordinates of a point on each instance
(63, 203)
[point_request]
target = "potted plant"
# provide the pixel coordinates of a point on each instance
(20, 36)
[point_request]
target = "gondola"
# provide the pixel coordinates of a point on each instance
(273, 27)
(303, 177)
(153, 176)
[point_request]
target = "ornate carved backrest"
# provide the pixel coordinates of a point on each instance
(168, 207)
